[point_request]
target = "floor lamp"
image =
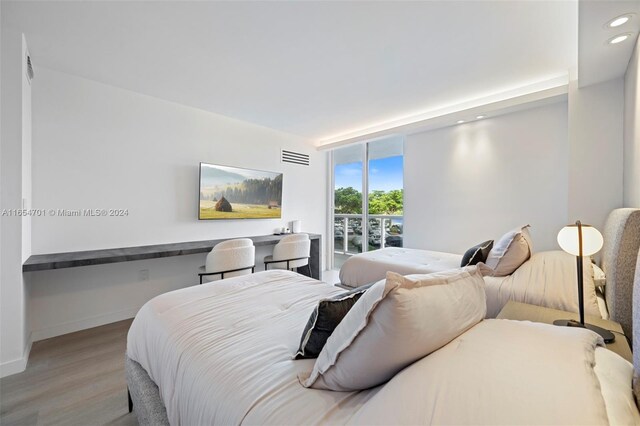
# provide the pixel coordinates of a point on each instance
(582, 240)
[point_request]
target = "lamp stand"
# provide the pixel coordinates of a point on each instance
(607, 335)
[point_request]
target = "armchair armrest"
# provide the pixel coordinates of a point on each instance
(269, 262)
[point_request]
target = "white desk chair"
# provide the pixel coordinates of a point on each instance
(230, 259)
(291, 252)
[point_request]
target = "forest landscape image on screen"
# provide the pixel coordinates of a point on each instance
(237, 193)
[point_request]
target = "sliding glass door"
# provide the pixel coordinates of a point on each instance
(375, 221)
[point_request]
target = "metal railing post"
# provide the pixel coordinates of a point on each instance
(382, 231)
(345, 243)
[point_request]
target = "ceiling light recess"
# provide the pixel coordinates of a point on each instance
(480, 117)
(619, 20)
(460, 121)
(619, 38)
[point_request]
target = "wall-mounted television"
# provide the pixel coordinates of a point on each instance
(237, 193)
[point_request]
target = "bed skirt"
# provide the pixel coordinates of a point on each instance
(145, 395)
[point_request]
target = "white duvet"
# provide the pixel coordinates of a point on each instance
(221, 353)
(547, 279)
(372, 266)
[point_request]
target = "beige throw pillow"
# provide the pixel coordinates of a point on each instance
(396, 322)
(508, 254)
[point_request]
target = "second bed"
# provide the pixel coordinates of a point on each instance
(547, 279)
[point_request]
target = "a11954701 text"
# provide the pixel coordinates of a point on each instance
(65, 212)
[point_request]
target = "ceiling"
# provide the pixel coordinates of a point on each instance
(598, 60)
(315, 69)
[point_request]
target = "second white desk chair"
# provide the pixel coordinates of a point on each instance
(291, 252)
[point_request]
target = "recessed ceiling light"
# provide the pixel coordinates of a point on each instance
(619, 38)
(460, 121)
(480, 117)
(620, 20)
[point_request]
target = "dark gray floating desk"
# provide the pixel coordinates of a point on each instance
(43, 262)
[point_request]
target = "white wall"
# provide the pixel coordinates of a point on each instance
(97, 146)
(632, 131)
(14, 161)
(26, 154)
(26, 138)
(595, 151)
(469, 183)
(27, 194)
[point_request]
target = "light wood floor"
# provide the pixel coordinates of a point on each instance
(75, 379)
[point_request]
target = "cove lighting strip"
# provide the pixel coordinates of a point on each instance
(397, 124)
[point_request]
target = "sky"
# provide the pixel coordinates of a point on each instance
(215, 175)
(385, 174)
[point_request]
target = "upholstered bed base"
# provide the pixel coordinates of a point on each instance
(145, 396)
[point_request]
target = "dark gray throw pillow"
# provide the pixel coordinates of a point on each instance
(477, 254)
(324, 319)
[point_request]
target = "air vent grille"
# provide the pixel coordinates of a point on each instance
(295, 158)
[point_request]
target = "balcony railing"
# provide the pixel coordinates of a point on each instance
(383, 230)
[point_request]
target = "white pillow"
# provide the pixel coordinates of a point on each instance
(396, 322)
(599, 278)
(511, 251)
(615, 374)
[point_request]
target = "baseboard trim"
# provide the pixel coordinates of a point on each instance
(17, 365)
(83, 324)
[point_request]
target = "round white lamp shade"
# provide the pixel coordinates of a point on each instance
(591, 240)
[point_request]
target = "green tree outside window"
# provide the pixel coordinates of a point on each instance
(349, 201)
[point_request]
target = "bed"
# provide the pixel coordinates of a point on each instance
(221, 353)
(371, 266)
(532, 283)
